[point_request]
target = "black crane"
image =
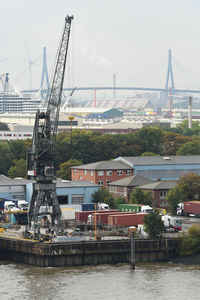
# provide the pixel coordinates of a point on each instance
(44, 200)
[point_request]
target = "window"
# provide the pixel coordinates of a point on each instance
(85, 172)
(100, 182)
(63, 199)
(77, 199)
(75, 171)
(109, 173)
(162, 194)
(100, 173)
(128, 172)
(113, 189)
(119, 173)
(108, 181)
(20, 196)
(80, 177)
(91, 173)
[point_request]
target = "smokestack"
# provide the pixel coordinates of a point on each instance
(190, 112)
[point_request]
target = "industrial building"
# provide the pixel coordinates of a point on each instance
(162, 167)
(68, 192)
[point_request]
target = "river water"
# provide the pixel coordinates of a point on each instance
(148, 281)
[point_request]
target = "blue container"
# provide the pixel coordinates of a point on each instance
(88, 206)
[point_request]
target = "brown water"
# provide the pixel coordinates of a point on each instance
(147, 281)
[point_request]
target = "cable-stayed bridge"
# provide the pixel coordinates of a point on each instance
(167, 89)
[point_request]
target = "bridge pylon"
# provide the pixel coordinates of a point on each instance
(45, 75)
(170, 73)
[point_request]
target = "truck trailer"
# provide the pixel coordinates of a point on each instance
(126, 220)
(136, 208)
(189, 208)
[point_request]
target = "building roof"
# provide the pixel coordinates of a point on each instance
(159, 185)
(104, 165)
(134, 180)
(159, 160)
(4, 180)
(61, 183)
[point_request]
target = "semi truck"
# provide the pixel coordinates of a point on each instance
(22, 205)
(189, 208)
(172, 223)
(8, 204)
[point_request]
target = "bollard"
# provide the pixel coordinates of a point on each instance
(132, 260)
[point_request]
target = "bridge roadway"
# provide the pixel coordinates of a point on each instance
(97, 88)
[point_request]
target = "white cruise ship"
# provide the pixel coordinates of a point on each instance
(12, 101)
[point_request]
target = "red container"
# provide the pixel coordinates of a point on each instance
(82, 216)
(126, 219)
(192, 207)
(103, 218)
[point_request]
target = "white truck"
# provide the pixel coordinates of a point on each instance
(102, 206)
(10, 206)
(172, 223)
(146, 209)
(22, 205)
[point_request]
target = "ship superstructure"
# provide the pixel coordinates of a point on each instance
(12, 101)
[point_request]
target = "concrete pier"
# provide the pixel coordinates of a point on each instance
(85, 252)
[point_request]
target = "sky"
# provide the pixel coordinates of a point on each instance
(129, 38)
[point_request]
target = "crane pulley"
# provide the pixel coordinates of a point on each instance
(44, 200)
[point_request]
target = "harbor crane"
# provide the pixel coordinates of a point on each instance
(44, 201)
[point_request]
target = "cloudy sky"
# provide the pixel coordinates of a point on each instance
(128, 37)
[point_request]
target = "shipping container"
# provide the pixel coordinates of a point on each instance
(82, 216)
(130, 207)
(126, 219)
(68, 211)
(88, 206)
(192, 207)
(103, 219)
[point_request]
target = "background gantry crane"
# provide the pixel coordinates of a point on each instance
(44, 200)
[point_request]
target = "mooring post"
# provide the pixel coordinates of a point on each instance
(132, 261)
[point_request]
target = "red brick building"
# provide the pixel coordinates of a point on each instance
(159, 191)
(124, 187)
(102, 172)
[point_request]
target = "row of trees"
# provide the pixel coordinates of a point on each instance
(89, 146)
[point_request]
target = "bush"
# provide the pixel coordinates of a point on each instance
(190, 243)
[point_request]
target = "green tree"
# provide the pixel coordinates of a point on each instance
(65, 168)
(148, 198)
(119, 200)
(174, 197)
(151, 139)
(18, 148)
(4, 127)
(141, 197)
(6, 157)
(137, 196)
(189, 131)
(189, 244)
(173, 141)
(149, 154)
(190, 186)
(186, 189)
(190, 148)
(18, 169)
(104, 196)
(153, 224)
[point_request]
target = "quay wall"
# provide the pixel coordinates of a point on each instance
(86, 252)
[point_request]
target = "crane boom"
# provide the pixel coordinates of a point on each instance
(40, 157)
